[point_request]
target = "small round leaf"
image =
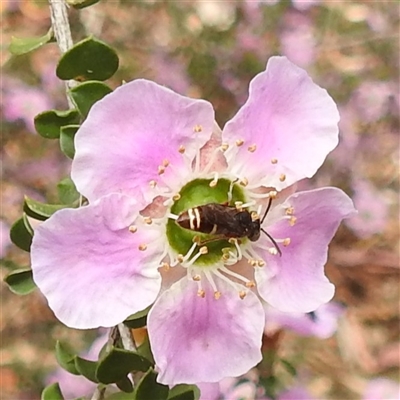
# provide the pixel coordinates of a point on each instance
(67, 136)
(67, 192)
(66, 359)
(21, 233)
(86, 368)
(52, 392)
(20, 281)
(49, 123)
(40, 211)
(20, 46)
(89, 59)
(138, 320)
(149, 388)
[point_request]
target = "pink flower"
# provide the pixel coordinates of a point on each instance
(145, 155)
(321, 323)
(382, 389)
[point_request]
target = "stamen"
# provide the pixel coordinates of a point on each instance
(161, 170)
(147, 220)
(224, 146)
(273, 251)
(242, 294)
(272, 194)
(244, 182)
(238, 205)
(286, 242)
(196, 278)
(132, 229)
(203, 250)
(153, 183)
(282, 177)
(189, 253)
(166, 266)
(289, 211)
(239, 142)
(274, 161)
(237, 276)
(181, 149)
(214, 182)
(217, 295)
(249, 204)
(176, 197)
(142, 247)
(198, 128)
(254, 216)
(252, 148)
(201, 293)
(292, 221)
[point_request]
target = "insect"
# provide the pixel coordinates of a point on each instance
(225, 222)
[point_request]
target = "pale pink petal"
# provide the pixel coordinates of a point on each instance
(198, 339)
(290, 119)
(132, 132)
(296, 281)
(89, 266)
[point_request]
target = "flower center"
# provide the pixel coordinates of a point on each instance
(202, 228)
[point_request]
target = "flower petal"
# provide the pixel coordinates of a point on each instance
(89, 267)
(192, 337)
(296, 282)
(132, 132)
(290, 119)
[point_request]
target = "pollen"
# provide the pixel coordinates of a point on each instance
(196, 278)
(147, 220)
(197, 129)
(292, 221)
(224, 146)
(274, 161)
(181, 149)
(242, 294)
(289, 211)
(217, 295)
(253, 262)
(132, 228)
(239, 142)
(252, 148)
(142, 247)
(286, 242)
(250, 284)
(201, 293)
(282, 177)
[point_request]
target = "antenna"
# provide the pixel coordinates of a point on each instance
(266, 233)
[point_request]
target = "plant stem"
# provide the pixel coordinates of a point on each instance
(126, 337)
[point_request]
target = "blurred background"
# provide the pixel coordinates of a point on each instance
(211, 50)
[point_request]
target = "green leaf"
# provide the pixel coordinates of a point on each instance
(67, 136)
(88, 93)
(184, 392)
(86, 368)
(66, 359)
(20, 46)
(145, 349)
(149, 388)
(48, 123)
(20, 281)
(67, 192)
(125, 385)
(52, 392)
(89, 59)
(289, 367)
(21, 233)
(120, 396)
(118, 363)
(138, 320)
(40, 211)
(79, 4)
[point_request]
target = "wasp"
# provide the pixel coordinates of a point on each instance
(225, 222)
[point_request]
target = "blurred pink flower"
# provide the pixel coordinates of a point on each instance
(4, 238)
(382, 389)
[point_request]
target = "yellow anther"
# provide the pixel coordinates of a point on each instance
(272, 194)
(250, 284)
(147, 220)
(282, 177)
(166, 266)
(161, 170)
(292, 221)
(232, 240)
(226, 257)
(132, 228)
(201, 293)
(180, 258)
(142, 247)
(254, 216)
(239, 142)
(289, 211)
(176, 197)
(197, 129)
(153, 184)
(181, 149)
(217, 295)
(203, 250)
(224, 146)
(196, 239)
(213, 183)
(274, 161)
(196, 278)
(242, 294)
(286, 242)
(238, 205)
(244, 182)
(261, 263)
(252, 148)
(165, 163)
(253, 262)
(273, 251)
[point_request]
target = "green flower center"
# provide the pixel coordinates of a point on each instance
(197, 193)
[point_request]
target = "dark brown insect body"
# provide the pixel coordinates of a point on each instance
(222, 221)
